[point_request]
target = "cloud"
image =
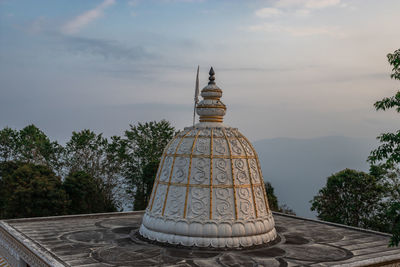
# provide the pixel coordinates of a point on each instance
(182, 1)
(105, 48)
(268, 12)
(309, 4)
(133, 2)
(300, 31)
(37, 25)
(302, 12)
(318, 4)
(82, 20)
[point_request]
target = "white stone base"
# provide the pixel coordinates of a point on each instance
(210, 233)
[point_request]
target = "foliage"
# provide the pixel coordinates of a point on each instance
(350, 197)
(394, 213)
(85, 152)
(286, 209)
(96, 170)
(8, 144)
(85, 194)
(93, 154)
(387, 155)
(273, 201)
(30, 145)
(28, 190)
(143, 146)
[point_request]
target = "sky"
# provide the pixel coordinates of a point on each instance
(288, 68)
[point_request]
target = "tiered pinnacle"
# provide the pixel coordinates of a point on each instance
(211, 109)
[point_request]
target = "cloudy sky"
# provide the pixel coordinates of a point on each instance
(288, 68)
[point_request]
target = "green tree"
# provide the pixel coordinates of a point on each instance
(28, 190)
(30, 145)
(85, 151)
(93, 154)
(143, 147)
(33, 146)
(387, 155)
(273, 201)
(352, 198)
(85, 194)
(394, 214)
(8, 144)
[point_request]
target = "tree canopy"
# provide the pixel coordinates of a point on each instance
(30, 145)
(387, 156)
(91, 173)
(369, 200)
(85, 194)
(99, 158)
(144, 144)
(273, 201)
(350, 197)
(28, 190)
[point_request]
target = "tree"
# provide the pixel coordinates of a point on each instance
(85, 152)
(8, 144)
(85, 194)
(143, 147)
(28, 190)
(350, 197)
(387, 155)
(394, 214)
(30, 145)
(273, 201)
(93, 154)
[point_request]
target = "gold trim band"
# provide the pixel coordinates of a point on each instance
(213, 186)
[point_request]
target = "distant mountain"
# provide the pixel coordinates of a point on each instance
(298, 168)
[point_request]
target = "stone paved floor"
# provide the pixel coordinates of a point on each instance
(105, 240)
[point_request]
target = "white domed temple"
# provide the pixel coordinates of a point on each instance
(209, 190)
(208, 208)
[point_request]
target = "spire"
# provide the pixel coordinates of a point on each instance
(211, 109)
(212, 76)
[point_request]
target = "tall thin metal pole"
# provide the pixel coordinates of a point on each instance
(196, 95)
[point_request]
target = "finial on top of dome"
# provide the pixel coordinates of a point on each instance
(211, 108)
(212, 76)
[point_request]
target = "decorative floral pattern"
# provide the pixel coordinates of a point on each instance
(254, 171)
(259, 194)
(159, 199)
(186, 146)
(180, 170)
(235, 146)
(219, 146)
(200, 171)
(220, 170)
(223, 206)
(198, 203)
(202, 146)
(166, 169)
(245, 207)
(175, 196)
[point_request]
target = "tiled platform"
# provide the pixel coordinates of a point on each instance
(105, 240)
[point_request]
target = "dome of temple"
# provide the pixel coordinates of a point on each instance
(209, 189)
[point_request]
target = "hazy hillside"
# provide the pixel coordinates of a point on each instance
(298, 168)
